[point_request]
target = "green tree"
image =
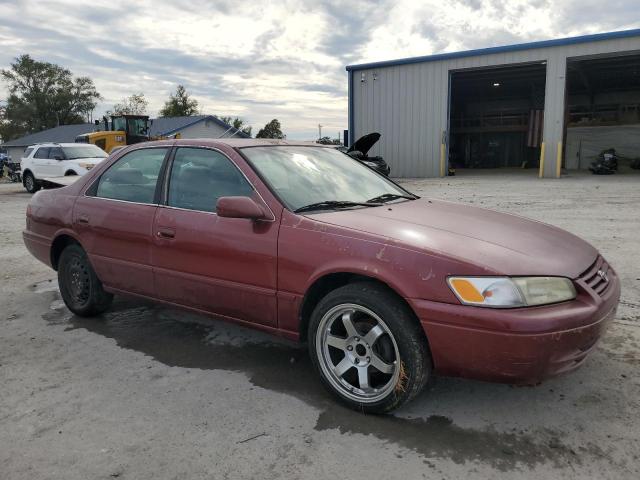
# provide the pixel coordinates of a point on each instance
(134, 104)
(271, 130)
(237, 123)
(9, 129)
(180, 105)
(44, 95)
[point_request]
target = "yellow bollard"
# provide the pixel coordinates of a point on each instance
(541, 161)
(558, 159)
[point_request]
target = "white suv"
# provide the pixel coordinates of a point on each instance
(47, 160)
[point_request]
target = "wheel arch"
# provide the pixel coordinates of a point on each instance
(60, 242)
(331, 281)
(70, 172)
(24, 174)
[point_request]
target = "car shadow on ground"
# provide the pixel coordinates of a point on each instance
(180, 339)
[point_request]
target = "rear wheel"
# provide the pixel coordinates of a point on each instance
(80, 287)
(368, 348)
(30, 183)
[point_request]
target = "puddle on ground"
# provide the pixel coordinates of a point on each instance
(284, 366)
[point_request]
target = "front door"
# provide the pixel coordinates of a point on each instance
(115, 221)
(41, 163)
(56, 165)
(225, 266)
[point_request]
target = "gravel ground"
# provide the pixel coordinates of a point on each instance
(152, 393)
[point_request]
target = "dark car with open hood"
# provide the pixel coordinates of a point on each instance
(360, 151)
(305, 242)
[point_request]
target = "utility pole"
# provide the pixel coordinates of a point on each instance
(319, 131)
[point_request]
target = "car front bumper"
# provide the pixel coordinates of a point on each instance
(517, 346)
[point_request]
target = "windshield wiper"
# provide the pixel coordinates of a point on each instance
(329, 204)
(387, 197)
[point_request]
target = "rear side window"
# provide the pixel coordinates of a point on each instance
(28, 151)
(200, 176)
(133, 178)
(42, 152)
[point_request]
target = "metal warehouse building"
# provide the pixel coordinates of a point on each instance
(542, 106)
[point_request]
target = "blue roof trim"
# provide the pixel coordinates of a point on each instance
(595, 37)
(238, 133)
(350, 113)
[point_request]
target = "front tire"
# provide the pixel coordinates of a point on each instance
(368, 348)
(30, 183)
(80, 288)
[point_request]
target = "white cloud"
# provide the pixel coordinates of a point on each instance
(273, 59)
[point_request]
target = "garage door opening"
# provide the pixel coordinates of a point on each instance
(603, 112)
(496, 118)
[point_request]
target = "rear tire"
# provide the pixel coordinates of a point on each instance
(30, 183)
(368, 348)
(80, 287)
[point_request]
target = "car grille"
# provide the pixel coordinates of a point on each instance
(597, 276)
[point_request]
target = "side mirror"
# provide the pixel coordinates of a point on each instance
(58, 157)
(239, 207)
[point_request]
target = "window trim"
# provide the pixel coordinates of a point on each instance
(167, 175)
(94, 185)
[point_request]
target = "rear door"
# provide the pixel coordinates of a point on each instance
(40, 162)
(115, 220)
(225, 266)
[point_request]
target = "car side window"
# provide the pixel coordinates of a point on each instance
(200, 176)
(42, 152)
(133, 177)
(28, 151)
(55, 152)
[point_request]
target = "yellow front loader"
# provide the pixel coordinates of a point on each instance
(123, 130)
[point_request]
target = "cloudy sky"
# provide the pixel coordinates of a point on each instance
(282, 59)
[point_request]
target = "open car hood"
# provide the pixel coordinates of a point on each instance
(364, 144)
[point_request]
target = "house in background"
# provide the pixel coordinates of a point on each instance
(62, 134)
(198, 126)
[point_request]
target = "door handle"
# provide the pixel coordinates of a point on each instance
(164, 232)
(83, 219)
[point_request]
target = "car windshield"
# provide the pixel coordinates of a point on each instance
(303, 176)
(84, 151)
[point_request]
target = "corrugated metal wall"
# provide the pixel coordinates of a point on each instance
(408, 104)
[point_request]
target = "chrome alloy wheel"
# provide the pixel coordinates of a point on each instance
(357, 353)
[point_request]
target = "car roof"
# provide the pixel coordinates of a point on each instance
(53, 144)
(231, 142)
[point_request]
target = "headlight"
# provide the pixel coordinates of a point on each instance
(503, 292)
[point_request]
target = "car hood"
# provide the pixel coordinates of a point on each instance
(364, 144)
(498, 243)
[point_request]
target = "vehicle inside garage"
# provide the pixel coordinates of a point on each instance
(496, 117)
(603, 111)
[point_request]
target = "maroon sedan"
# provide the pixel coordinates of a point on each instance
(305, 242)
